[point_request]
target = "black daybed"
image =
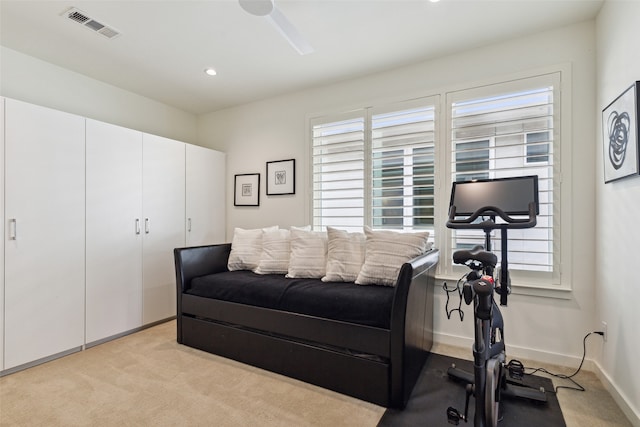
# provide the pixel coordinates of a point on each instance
(369, 342)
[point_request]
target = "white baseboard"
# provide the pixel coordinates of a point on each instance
(516, 352)
(623, 401)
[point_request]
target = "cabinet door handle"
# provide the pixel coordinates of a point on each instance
(189, 225)
(13, 229)
(146, 226)
(137, 225)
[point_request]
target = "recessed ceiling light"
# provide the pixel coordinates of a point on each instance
(210, 71)
(434, 1)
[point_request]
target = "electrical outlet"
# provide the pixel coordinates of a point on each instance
(604, 330)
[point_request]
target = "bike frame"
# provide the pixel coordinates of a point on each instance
(488, 321)
(485, 348)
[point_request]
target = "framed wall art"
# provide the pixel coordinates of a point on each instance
(281, 177)
(620, 135)
(247, 189)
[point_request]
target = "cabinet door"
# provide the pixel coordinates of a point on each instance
(205, 196)
(114, 230)
(163, 223)
(2, 233)
(45, 252)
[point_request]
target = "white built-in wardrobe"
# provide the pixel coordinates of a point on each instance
(92, 213)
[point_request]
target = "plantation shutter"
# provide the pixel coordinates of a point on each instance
(508, 134)
(402, 167)
(375, 167)
(339, 171)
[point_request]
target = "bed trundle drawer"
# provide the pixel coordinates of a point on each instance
(356, 376)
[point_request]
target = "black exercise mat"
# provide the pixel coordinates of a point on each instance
(435, 392)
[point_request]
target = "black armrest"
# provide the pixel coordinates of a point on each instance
(411, 323)
(200, 261)
(409, 272)
(194, 262)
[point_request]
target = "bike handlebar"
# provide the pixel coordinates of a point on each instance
(515, 223)
(487, 226)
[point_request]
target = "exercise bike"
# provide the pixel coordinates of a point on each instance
(480, 203)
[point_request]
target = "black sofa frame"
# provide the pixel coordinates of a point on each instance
(373, 364)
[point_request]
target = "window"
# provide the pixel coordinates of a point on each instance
(375, 167)
(472, 160)
(386, 167)
(339, 173)
(509, 132)
(402, 166)
(537, 147)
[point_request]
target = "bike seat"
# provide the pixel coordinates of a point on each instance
(476, 254)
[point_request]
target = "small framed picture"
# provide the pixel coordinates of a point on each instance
(247, 189)
(281, 177)
(620, 143)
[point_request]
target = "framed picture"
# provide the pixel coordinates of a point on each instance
(620, 135)
(281, 177)
(247, 189)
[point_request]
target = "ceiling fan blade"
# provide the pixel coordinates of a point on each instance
(257, 7)
(289, 32)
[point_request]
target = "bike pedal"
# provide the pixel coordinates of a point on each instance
(453, 416)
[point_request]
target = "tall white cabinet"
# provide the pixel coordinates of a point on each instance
(205, 196)
(114, 230)
(44, 245)
(163, 207)
(91, 214)
(135, 218)
(2, 233)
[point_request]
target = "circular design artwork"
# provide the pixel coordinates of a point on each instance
(618, 131)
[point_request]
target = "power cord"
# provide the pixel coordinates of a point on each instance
(515, 367)
(577, 387)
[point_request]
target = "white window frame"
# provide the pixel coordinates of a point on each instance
(368, 115)
(558, 282)
(560, 286)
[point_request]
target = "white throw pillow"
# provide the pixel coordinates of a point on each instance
(308, 254)
(385, 253)
(246, 248)
(275, 252)
(303, 228)
(345, 255)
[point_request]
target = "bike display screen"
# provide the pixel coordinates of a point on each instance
(512, 195)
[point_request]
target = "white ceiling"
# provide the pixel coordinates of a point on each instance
(165, 46)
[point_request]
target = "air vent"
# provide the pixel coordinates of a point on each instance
(86, 21)
(78, 17)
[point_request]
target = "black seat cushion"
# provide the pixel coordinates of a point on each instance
(348, 302)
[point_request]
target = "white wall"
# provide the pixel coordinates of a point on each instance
(31, 80)
(540, 328)
(618, 213)
(276, 129)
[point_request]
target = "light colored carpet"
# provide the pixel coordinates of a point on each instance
(147, 379)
